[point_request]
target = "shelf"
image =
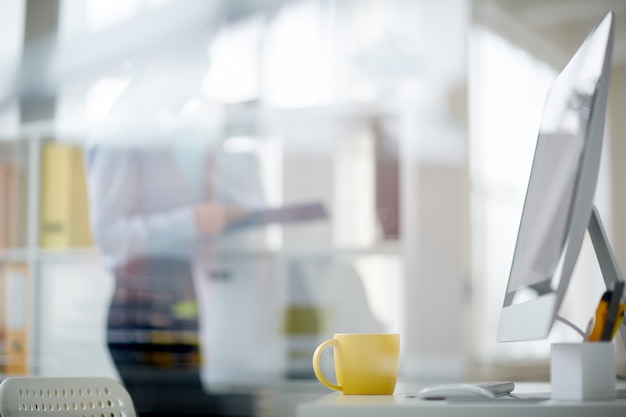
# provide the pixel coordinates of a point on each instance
(49, 255)
(69, 255)
(14, 255)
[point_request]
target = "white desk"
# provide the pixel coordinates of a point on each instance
(337, 405)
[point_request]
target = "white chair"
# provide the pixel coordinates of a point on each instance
(64, 397)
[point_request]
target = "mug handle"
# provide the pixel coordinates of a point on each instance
(316, 365)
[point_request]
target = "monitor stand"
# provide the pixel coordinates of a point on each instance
(606, 259)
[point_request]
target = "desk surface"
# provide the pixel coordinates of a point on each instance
(337, 405)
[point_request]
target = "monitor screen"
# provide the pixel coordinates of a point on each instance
(561, 189)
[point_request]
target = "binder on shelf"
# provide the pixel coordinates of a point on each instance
(5, 200)
(13, 194)
(15, 318)
(64, 205)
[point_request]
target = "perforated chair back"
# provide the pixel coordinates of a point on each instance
(64, 397)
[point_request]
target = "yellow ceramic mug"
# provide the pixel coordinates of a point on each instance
(365, 364)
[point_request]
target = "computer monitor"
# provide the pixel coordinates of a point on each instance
(559, 204)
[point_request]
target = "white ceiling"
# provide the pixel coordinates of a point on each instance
(553, 29)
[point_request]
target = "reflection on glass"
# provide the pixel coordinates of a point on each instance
(297, 101)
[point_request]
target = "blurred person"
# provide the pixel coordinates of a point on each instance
(161, 192)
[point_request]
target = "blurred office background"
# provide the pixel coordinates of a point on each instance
(413, 122)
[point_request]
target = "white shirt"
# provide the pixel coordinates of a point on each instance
(143, 197)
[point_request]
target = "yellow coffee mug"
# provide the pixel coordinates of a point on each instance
(365, 363)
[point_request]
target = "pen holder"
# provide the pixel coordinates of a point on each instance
(583, 371)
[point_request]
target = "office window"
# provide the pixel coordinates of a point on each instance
(102, 14)
(297, 71)
(234, 52)
(507, 88)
